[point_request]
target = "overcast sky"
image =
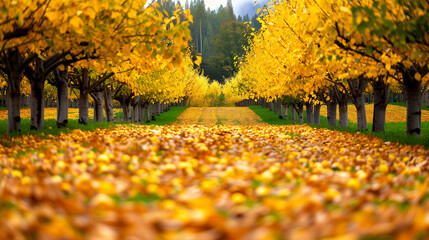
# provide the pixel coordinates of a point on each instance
(214, 4)
(240, 6)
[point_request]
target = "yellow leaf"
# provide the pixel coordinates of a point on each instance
(77, 24)
(425, 78)
(51, 15)
(388, 67)
(418, 76)
(198, 60)
(344, 9)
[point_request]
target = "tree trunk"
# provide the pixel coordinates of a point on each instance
(342, 99)
(148, 113)
(13, 106)
(344, 114)
(381, 99)
(136, 113)
(108, 103)
(3, 96)
(37, 103)
(285, 112)
(357, 87)
(361, 113)
(61, 80)
(413, 94)
(126, 109)
(97, 96)
(293, 114)
(281, 109)
(309, 108)
(135, 105)
(154, 112)
(301, 113)
(83, 98)
(332, 113)
(14, 66)
(141, 112)
(316, 118)
(37, 76)
(155, 109)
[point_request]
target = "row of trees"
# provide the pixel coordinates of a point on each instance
(335, 51)
(104, 49)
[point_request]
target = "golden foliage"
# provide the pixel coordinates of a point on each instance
(221, 182)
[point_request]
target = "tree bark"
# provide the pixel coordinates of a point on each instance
(83, 98)
(61, 80)
(37, 103)
(344, 114)
(141, 112)
(13, 109)
(342, 99)
(293, 114)
(135, 105)
(301, 112)
(332, 113)
(157, 108)
(3, 96)
(381, 99)
(126, 109)
(154, 112)
(108, 103)
(148, 113)
(97, 96)
(136, 113)
(316, 118)
(281, 109)
(285, 112)
(357, 87)
(361, 113)
(14, 78)
(309, 108)
(413, 94)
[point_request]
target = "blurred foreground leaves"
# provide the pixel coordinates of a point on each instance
(221, 182)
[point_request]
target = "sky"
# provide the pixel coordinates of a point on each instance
(214, 4)
(240, 6)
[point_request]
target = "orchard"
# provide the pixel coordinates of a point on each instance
(153, 120)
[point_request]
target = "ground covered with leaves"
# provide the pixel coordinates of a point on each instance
(218, 182)
(394, 113)
(210, 116)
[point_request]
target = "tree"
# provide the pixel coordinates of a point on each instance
(229, 45)
(108, 32)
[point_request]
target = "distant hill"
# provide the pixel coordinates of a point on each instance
(248, 7)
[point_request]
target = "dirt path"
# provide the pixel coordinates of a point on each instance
(210, 116)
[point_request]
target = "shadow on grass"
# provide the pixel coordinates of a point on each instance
(394, 132)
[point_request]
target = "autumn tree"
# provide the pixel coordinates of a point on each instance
(62, 33)
(229, 44)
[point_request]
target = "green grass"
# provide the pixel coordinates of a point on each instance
(166, 118)
(394, 132)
